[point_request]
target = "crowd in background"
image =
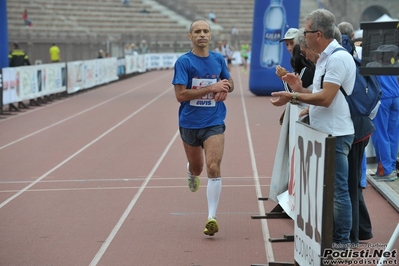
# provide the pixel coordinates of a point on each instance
(132, 49)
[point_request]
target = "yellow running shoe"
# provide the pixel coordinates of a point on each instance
(211, 227)
(193, 181)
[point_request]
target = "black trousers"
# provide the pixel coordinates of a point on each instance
(361, 223)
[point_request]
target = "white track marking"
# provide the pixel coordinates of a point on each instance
(77, 114)
(51, 104)
(129, 208)
(105, 180)
(82, 149)
(265, 227)
(117, 188)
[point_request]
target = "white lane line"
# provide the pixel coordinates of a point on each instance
(51, 104)
(82, 149)
(265, 227)
(119, 188)
(129, 208)
(29, 111)
(118, 179)
(205, 213)
(80, 113)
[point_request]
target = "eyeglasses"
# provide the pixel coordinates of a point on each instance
(309, 31)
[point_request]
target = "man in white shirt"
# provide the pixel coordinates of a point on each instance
(328, 110)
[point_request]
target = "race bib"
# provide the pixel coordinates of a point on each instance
(206, 100)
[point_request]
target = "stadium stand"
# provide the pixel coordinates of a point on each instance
(108, 24)
(88, 17)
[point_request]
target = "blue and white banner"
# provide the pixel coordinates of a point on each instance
(29, 82)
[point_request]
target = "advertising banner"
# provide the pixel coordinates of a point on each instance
(52, 78)
(9, 86)
(89, 73)
(283, 181)
(75, 76)
(141, 63)
(110, 69)
(131, 64)
(29, 82)
(272, 19)
(154, 61)
(309, 189)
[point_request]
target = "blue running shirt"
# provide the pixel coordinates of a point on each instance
(196, 72)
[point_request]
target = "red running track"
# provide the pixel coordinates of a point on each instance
(99, 178)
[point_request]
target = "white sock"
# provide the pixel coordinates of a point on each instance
(213, 191)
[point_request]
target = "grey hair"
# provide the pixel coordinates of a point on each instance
(346, 29)
(338, 35)
(322, 20)
(300, 38)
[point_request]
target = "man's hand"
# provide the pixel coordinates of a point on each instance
(221, 86)
(283, 98)
(220, 96)
(304, 112)
(294, 81)
(281, 71)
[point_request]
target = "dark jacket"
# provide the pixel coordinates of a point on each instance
(18, 57)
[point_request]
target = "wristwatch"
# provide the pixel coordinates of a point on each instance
(294, 99)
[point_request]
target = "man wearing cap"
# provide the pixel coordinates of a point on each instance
(302, 66)
(289, 39)
(289, 43)
(17, 57)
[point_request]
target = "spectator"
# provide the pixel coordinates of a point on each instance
(327, 104)
(361, 222)
(219, 49)
(228, 53)
(386, 136)
(302, 62)
(144, 49)
(234, 36)
(212, 16)
(17, 57)
(101, 53)
(55, 55)
(125, 2)
(128, 49)
(133, 48)
(346, 28)
(25, 18)
(244, 55)
(301, 65)
(289, 39)
(234, 31)
(145, 11)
